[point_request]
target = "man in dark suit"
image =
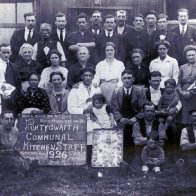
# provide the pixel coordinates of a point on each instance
(26, 35)
(121, 26)
(126, 104)
(186, 33)
(109, 35)
(61, 35)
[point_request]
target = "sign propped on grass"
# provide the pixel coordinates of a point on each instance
(54, 139)
(107, 148)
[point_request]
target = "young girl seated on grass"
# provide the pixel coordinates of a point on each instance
(101, 112)
(152, 154)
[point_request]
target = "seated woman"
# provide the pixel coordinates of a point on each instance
(54, 58)
(24, 66)
(108, 73)
(33, 101)
(58, 95)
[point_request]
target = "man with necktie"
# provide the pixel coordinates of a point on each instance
(185, 32)
(26, 35)
(60, 34)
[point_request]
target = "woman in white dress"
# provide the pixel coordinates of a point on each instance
(108, 73)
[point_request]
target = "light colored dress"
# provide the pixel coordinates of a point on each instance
(108, 77)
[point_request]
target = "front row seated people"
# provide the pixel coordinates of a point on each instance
(10, 159)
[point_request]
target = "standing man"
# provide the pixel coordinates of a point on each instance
(61, 35)
(43, 47)
(186, 33)
(136, 37)
(121, 26)
(96, 22)
(26, 35)
(82, 37)
(126, 104)
(109, 35)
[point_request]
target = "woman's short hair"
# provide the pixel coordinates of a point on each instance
(137, 50)
(56, 73)
(110, 44)
(188, 48)
(54, 51)
(26, 45)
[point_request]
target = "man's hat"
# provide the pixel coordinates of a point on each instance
(87, 69)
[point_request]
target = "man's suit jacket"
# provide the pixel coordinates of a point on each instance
(187, 39)
(138, 98)
(18, 39)
(101, 41)
(64, 44)
(126, 29)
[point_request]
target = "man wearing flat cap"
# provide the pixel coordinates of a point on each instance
(166, 65)
(78, 99)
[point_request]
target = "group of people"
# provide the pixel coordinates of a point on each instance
(139, 78)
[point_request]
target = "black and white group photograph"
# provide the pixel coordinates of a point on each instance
(97, 97)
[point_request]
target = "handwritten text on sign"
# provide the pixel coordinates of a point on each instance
(54, 139)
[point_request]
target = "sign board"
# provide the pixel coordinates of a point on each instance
(54, 139)
(107, 148)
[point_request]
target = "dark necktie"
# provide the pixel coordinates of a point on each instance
(109, 34)
(183, 31)
(61, 35)
(29, 37)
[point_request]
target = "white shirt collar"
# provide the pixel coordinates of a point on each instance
(154, 90)
(111, 33)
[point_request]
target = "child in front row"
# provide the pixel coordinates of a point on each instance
(101, 112)
(153, 155)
